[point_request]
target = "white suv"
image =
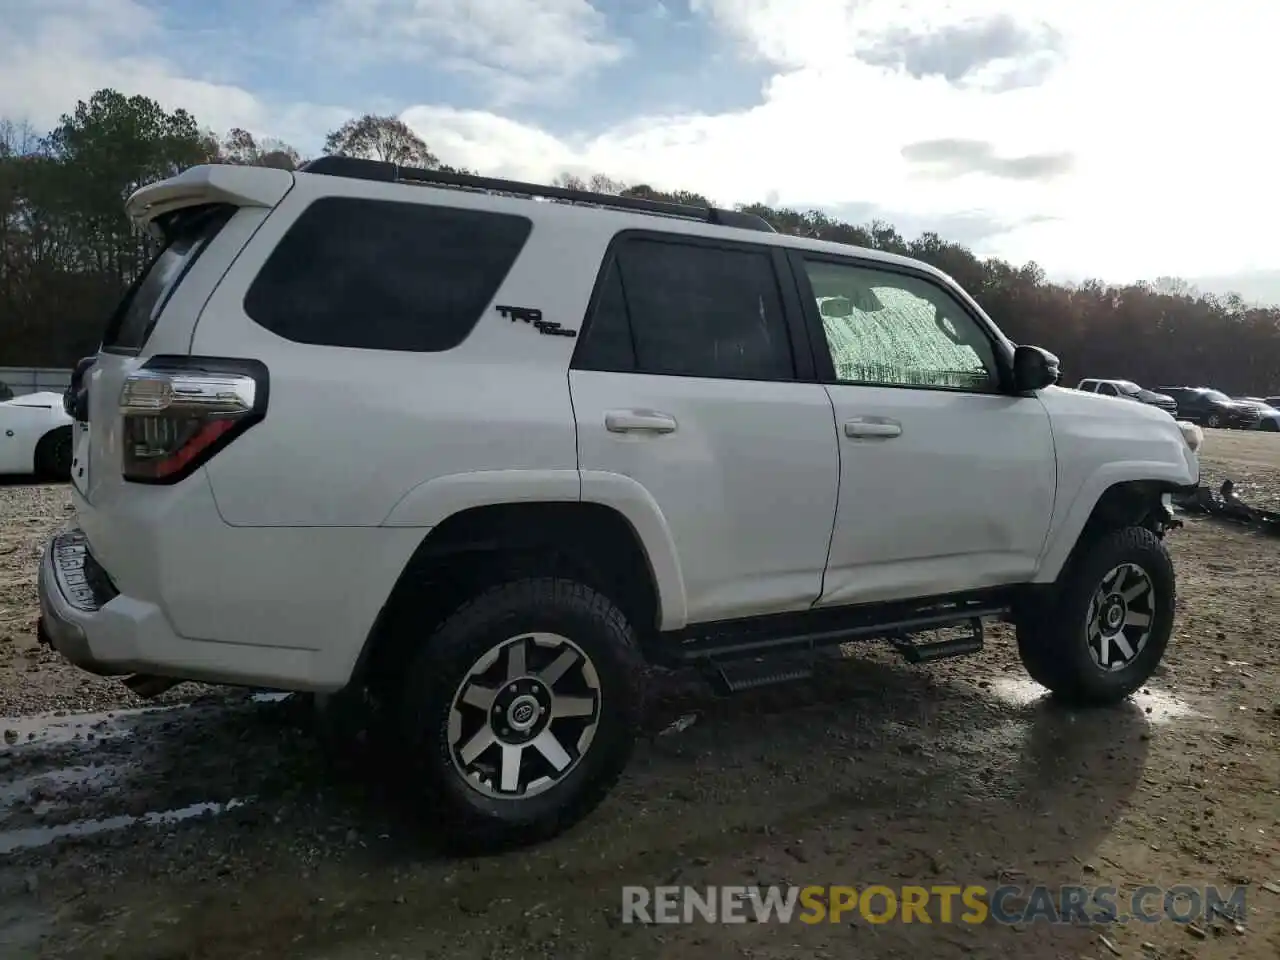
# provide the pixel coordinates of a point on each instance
(483, 448)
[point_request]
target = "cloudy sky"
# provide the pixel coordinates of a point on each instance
(1113, 138)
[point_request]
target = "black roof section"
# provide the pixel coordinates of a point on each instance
(386, 172)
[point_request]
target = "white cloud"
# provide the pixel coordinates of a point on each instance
(524, 49)
(61, 51)
(1156, 102)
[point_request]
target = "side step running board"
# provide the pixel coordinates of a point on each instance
(798, 636)
(795, 658)
(914, 652)
(735, 676)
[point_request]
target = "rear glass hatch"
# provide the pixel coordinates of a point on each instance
(187, 232)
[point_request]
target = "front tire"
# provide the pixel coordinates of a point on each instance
(1107, 622)
(1213, 420)
(521, 712)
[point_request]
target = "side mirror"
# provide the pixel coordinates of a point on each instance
(1034, 368)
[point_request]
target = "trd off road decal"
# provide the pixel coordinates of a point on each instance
(533, 315)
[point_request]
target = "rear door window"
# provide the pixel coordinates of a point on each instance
(187, 234)
(385, 274)
(678, 308)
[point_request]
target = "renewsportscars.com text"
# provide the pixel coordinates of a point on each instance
(939, 903)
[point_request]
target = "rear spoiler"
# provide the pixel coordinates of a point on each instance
(208, 183)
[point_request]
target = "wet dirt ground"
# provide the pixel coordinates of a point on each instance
(206, 824)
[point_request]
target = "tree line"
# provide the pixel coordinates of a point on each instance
(67, 252)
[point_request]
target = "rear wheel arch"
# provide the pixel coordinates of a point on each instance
(478, 547)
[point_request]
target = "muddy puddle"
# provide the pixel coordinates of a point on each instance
(52, 782)
(62, 727)
(57, 728)
(71, 775)
(83, 775)
(11, 840)
(1158, 705)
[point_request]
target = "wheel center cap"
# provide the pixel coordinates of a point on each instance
(522, 714)
(1114, 614)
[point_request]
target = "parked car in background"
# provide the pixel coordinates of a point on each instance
(1130, 391)
(1269, 415)
(35, 436)
(1213, 408)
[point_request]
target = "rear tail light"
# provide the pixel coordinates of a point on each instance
(177, 412)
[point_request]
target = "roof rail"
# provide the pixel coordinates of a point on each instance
(387, 172)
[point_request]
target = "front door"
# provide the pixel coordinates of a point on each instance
(947, 483)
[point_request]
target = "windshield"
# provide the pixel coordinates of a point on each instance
(1128, 387)
(1217, 395)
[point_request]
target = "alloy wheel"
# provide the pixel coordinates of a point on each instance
(1118, 622)
(524, 716)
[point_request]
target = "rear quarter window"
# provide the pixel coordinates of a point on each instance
(385, 274)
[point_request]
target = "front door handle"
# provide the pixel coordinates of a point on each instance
(639, 421)
(881, 428)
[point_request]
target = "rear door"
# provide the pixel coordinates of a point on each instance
(693, 378)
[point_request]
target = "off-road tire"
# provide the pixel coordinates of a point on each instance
(53, 455)
(469, 821)
(1052, 631)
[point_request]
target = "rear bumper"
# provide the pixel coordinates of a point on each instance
(71, 602)
(108, 633)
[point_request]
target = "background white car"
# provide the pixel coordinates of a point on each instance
(35, 436)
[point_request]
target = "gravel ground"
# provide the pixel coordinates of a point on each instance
(205, 824)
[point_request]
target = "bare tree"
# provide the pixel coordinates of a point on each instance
(241, 147)
(380, 138)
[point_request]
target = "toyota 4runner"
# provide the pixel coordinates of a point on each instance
(485, 449)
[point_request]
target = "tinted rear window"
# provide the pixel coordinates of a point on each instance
(385, 275)
(677, 308)
(188, 233)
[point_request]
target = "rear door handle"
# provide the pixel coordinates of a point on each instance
(880, 427)
(639, 421)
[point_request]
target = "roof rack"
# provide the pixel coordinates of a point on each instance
(387, 172)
